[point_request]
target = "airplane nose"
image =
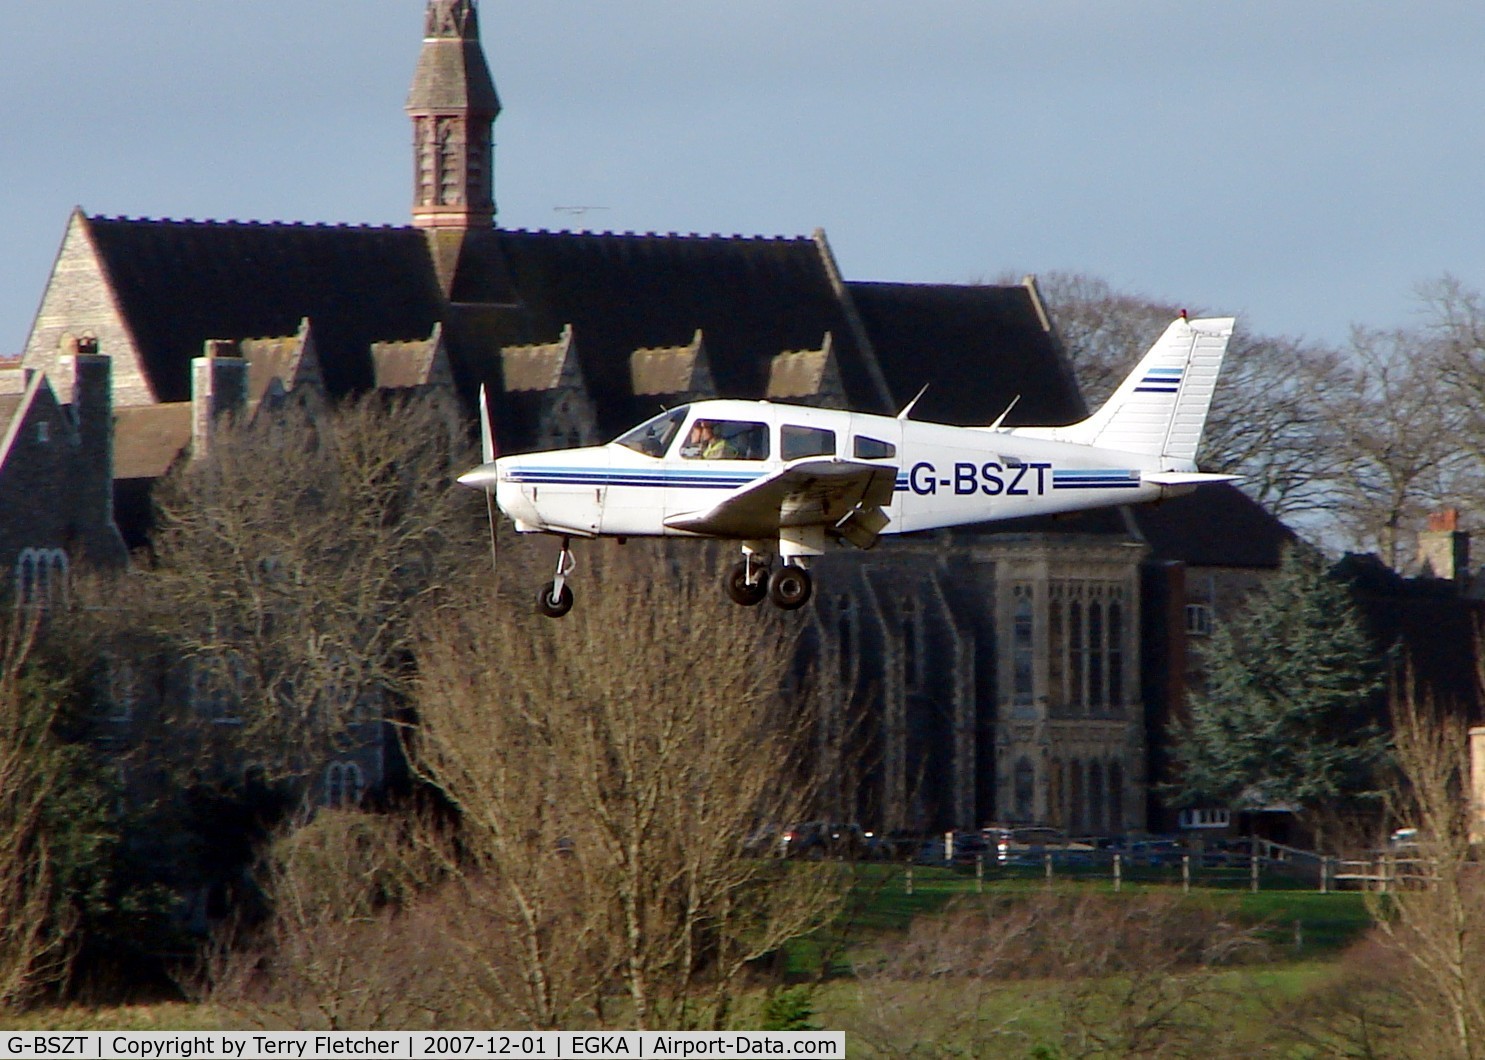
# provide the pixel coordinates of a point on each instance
(482, 477)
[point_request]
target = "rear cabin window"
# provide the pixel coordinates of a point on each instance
(798, 442)
(726, 440)
(872, 449)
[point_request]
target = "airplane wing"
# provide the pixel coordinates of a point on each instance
(843, 494)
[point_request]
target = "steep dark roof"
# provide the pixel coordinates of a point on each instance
(1431, 629)
(751, 297)
(977, 348)
(180, 283)
(1216, 526)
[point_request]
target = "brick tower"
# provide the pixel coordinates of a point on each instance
(453, 107)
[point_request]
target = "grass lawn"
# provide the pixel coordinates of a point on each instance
(1017, 1015)
(1327, 922)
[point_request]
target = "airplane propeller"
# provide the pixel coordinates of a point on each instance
(487, 455)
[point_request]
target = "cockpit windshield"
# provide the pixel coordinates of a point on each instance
(654, 436)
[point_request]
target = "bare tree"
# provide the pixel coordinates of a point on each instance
(1103, 331)
(1456, 323)
(33, 943)
(1125, 976)
(1400, 432)
(289, 564)
(1436, 923)
(347, 945)
(606, 771)
(1271, 421)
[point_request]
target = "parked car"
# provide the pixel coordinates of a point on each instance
(1151, 852)
(1030, 844)
(762, 842)
(821, 839)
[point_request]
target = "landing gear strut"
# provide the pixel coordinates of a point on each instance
(555, 599)
(749, 580)
(746, 581)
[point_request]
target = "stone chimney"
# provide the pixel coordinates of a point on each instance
(219, 387)
(1444, 549)
(91, 374)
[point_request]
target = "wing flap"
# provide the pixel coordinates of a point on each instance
(824, 492)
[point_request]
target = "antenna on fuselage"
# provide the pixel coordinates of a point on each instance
(909, 406)
(1001, 418)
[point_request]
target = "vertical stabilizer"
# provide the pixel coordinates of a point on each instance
(1161, 407)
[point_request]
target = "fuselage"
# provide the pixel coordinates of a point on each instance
(692, 457)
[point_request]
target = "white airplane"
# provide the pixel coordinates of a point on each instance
(787, 480)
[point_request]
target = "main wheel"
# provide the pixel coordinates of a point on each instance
(789, 587)
(739, 591)
(554, 604)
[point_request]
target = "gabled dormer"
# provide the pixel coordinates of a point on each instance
(543, 385)
(673, 374)
(807, 377)
(417, 365)
(278, 367)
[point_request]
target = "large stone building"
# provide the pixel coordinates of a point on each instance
(994, 672)
(55, 487)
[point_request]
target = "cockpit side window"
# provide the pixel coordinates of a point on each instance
(654, 436)
(726, 440)
(872, 449)
(798, 442)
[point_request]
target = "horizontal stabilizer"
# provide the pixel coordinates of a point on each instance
(1184, 478)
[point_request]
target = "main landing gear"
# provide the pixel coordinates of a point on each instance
(749, 580)
(555, 599)
(746, 582)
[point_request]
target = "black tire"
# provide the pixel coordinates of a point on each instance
(790, 587)
(554, 604)
(735, 585)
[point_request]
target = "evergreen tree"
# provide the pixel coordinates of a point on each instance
(1287, 712)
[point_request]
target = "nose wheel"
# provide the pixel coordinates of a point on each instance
(555, 598)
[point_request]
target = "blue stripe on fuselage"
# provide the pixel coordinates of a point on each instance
(1096, 479)
(577, 476)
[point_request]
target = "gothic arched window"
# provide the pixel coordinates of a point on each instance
(1022, 647)
(1025, 779)
(1095, 656)
(1096, 796)
(1116, 796)
(1076, 655)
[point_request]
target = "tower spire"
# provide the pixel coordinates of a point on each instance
(453, 107)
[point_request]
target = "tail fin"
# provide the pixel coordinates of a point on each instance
(1161, 407)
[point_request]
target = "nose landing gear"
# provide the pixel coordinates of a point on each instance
(555, 598)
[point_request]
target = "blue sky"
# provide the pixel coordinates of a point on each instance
(1302, 164)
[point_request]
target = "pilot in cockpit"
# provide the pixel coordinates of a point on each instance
(704, 443)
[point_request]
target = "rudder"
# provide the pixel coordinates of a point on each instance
(1161, 407)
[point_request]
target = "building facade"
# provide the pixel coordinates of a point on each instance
(987, 673)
